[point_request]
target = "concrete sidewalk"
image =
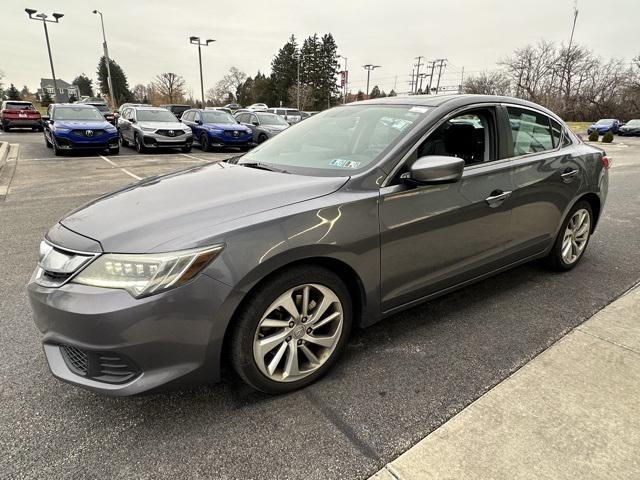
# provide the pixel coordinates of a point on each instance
(572, 412)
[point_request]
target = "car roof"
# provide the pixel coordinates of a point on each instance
(75, 105)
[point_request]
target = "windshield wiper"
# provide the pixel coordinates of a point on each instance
(263, 166)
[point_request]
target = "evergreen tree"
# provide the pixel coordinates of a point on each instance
(13, 93)
(85, 85)
(360, 95)
(72, 98)
(119, 79)
(25, 93)
(284, 70)
(393, 93)
(244, 93)
(45, 99)
(375, 92)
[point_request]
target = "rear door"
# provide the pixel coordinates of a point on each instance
(434, 237)
(546, 179)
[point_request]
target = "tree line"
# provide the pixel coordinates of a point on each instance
(573, 82)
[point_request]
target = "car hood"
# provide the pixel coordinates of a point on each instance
(82, 124)
(277, 128)
(153, 214)
(226, 126)
(163, 125)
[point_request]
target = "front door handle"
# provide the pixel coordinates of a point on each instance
(497, 197)
(568, 175)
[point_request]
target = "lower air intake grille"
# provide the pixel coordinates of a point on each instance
(108, 367)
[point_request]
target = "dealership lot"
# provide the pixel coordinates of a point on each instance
(398, 381)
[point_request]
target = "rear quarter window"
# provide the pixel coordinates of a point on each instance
(530, 131)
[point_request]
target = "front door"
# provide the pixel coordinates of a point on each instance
(436, 236)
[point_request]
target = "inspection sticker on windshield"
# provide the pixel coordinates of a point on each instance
(419, 109)
(342, 163)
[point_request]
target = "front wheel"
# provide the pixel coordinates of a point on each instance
(573, 237)
(204, 142)
(113, 150)
(291, 330)
(262, 138)
(139, 145)
(123, 142)
(47, 142)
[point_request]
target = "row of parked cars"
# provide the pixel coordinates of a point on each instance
(83, 126)
(613, 125)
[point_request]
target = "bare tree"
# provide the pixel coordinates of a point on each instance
(139, 93)
(488, 83)
(227, 85)
(170, 86)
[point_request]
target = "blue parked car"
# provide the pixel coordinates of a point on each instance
(217, 128)
(605, 125)
(76, 127)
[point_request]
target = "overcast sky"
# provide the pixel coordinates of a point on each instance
(148, 37)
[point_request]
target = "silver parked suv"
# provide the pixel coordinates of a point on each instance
(151, 128)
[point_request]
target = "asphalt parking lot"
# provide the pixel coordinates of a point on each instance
(398, 381)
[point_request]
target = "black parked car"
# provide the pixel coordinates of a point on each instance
(632, 127)
(176, 109)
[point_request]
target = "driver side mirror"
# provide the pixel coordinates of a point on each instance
(435, 169)
(45, 118)
(255, 123)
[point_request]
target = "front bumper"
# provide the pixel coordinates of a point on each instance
(72, 142)
(172, 338)
(154, 140)
(224, 140)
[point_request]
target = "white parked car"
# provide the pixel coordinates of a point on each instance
(257, 107)
(291, 115)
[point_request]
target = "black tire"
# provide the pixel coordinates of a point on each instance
(6, 127)
(47, 142)
(186, 149)
(56, 151)
(139, 144)
(113, 150)
(204, 142)
(123, 142)
(248, 318)
(555, 259)
(262, 138)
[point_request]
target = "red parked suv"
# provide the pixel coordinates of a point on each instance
(19, 114)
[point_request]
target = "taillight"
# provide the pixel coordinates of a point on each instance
(606, 163)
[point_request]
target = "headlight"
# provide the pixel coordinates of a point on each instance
(147, 129)
(146, 274)
(62, 130)
(216, 131)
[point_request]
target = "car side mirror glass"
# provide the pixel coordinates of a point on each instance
(255, 123)
(435, 169)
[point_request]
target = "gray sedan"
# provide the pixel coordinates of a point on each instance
(263, 125)
(269, 261)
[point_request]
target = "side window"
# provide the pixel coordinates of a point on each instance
(530, 131)
(470, 136)
(242, 118)
(187, 116)
(253, 119)
(556, 131)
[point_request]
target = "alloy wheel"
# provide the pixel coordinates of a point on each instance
(298, 333)
(576, 236)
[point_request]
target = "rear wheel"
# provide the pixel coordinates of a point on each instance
(573, 237)
(262, 138)
(204, 142)
(6, 127)
(292, 329)
(123, 142)
(139, 145)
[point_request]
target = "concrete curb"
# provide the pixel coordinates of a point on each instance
(8, 162)
(4, 153)
(568, 413)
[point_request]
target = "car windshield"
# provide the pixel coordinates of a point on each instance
(77, 113)
(160, 115)
(340, 141)
(102, 107)
(270, 119)
(606, 121)
(633, 123)
(217, 117)
(19, 106)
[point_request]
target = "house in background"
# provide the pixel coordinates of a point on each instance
(65, 90)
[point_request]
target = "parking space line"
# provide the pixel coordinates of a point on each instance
(122, 169)
(195, 158)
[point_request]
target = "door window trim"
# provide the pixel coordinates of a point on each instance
(394, 171)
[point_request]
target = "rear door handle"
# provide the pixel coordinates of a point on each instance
(568, 175)
(497, 197)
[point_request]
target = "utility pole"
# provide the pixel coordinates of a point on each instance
(573, 28)
(433, 66)
(41, 16)
(413, 72)
(345, 79)
(441, 60)
(461, 81)
(112, 95)
(298, 56)
(418, 65)
(422, 77)
(368, 68)
(196, 41)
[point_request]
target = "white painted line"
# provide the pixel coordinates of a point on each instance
(122, 169)
(195, 158)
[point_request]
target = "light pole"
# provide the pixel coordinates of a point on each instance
(368, 67)
(41, 16)
(298, 56)
(112, 94)
(345, 87)
(196, 41)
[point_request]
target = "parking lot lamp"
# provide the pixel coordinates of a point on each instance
(368, 68)
(112, 94)
(196, 41)
(41, 16)
(346, 79)
(299, 57)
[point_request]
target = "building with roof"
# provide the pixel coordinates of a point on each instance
(65, 90)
